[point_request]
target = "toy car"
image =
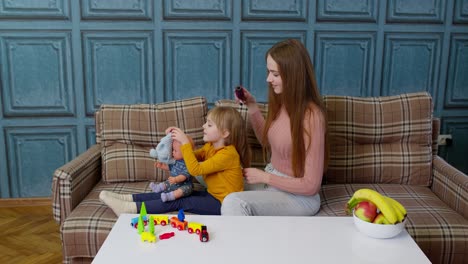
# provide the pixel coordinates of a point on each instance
(178, 224)
(160, 219)
(147, 236)
(194, 227)
(204, 236)
(134, 221)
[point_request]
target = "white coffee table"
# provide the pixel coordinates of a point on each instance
(259, 240)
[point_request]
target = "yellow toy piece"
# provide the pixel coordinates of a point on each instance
(161, 219)
(148, 237)
(194, 227)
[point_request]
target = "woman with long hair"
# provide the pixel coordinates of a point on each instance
(294, 133)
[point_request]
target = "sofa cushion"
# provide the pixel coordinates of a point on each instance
(86, 228)
(440, 232)
(380, 139)
(128, 132)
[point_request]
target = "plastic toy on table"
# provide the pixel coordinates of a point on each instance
(204, 236)
(194, 227)
(176, 223)
(160, 219)
(181, 215)
(148, 237)
(134, 221)
(166, 235)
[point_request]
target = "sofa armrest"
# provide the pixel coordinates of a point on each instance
(74, 180)
(450, 185)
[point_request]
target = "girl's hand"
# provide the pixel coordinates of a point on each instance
(179, 135)
(253, 175)
(249, 98)
(169, 129)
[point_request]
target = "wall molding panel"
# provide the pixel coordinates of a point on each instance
(344, 10)
(343, 62)
(60, 60)
(411, 62)
(201, 59)
(52, 9)
(289, 10)
(90, 136)
(117, 9)
(198, 9)
(36, 153)
(416, 11)
(461, 12)
(254, 46)
(458, 128)
(37, 74)
(457, 83)
(109, 79)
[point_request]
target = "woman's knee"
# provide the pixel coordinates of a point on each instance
(233, 204)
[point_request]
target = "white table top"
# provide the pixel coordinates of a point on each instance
(259, 239)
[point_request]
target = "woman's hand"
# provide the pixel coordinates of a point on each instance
(249, 98)
(253, 175)
(179, 135)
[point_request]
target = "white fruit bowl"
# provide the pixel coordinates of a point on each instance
(378, 230)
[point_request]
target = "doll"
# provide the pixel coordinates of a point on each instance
(169, 156)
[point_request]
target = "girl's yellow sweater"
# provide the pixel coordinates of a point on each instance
(220, 168)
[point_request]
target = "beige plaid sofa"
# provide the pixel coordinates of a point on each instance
(385, 143)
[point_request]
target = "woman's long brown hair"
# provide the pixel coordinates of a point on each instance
(299, 92)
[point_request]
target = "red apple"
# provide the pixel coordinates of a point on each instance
(366, 211)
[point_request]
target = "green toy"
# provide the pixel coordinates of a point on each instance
(151, 225)
(141, 225)
(143, 209)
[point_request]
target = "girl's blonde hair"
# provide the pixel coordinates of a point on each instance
(229, 119)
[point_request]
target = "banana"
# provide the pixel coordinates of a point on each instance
(373, 196)
(399, 208)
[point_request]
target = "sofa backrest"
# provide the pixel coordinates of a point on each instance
(127, 133)
(384, 139)
(387, 139)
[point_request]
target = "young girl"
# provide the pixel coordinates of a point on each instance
(219, 161)
(295, 133)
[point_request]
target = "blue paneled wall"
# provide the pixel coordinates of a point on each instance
(61, 59)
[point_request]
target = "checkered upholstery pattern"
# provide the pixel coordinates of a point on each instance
(440, 232)
(380, 139)
(128, 132)
(391, 149)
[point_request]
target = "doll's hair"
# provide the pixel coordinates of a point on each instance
(229, 119)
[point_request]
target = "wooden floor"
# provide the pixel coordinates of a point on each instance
(28, 234)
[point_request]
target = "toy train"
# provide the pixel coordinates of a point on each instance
(176, 222)
(192, 227)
